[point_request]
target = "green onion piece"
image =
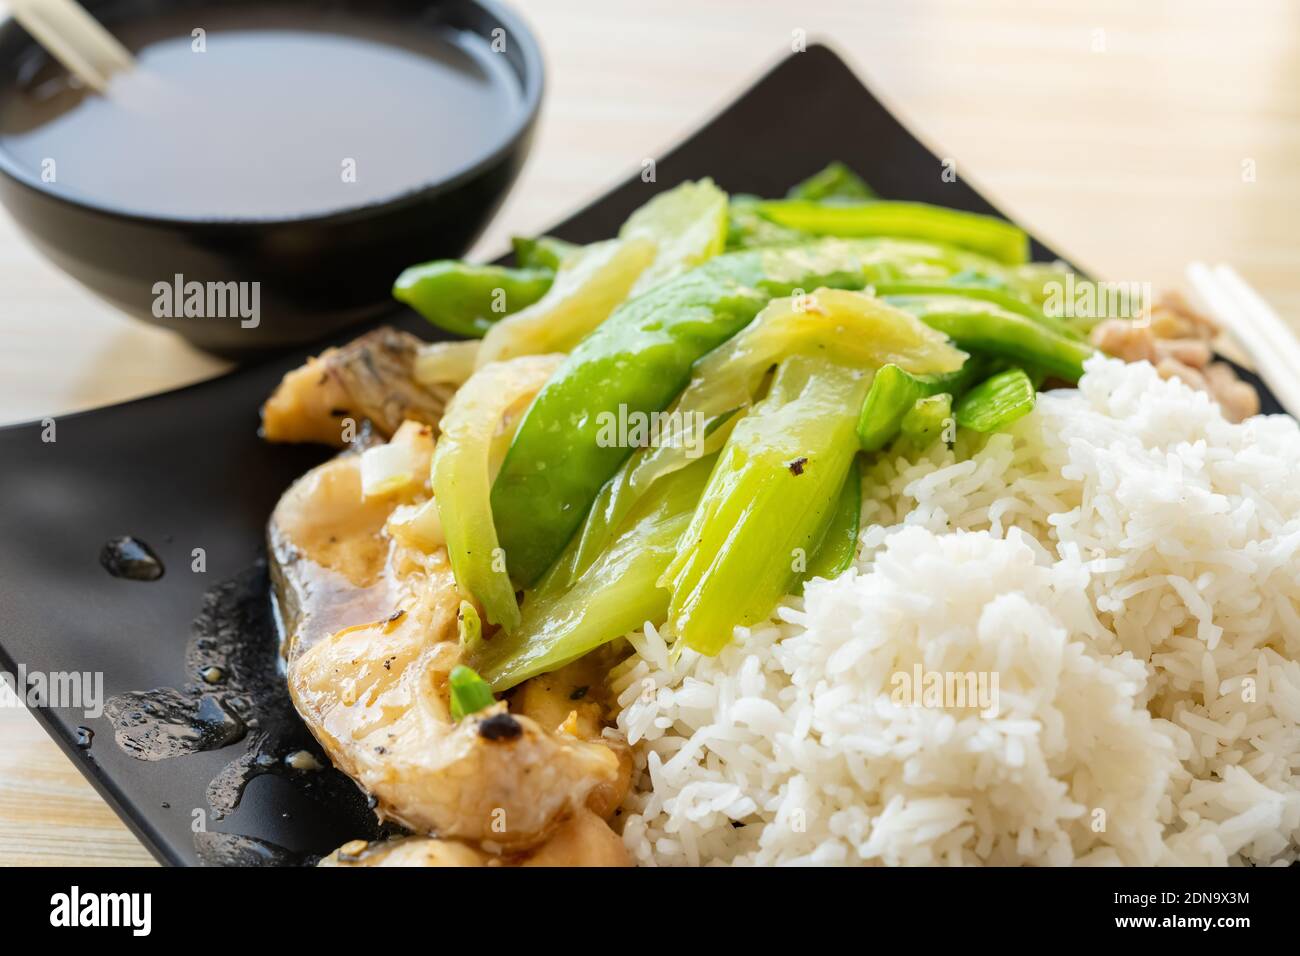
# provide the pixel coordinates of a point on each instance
(834, 183)
(995, 238)
(469, 626)
(469, 692)
(926, 420)
(840, 546)
(997, 402)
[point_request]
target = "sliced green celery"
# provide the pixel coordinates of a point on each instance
(852, 328)
(618, 593)
(997, 402)
(835, 554)
(768, 503)
(894, 392)
(926, 420)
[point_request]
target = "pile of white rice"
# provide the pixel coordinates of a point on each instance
(1124, 561)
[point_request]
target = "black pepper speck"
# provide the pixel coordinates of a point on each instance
(500, 727)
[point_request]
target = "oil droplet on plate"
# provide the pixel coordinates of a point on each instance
(130, 558)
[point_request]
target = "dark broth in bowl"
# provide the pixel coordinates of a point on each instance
(268, 113)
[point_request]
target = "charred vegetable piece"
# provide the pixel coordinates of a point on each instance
(769, 501)
(983, 327)
(467, 300)
(618, 593)
(895, 391)
(462, 478)
(995, 238)
(835, 183)
(836, 553)
(469, 692)
(997, 402)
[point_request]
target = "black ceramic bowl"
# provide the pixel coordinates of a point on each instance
(316, 273)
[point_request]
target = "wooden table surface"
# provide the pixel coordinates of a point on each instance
(1119, 132)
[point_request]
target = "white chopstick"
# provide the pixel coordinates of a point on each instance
(1271, 344)
(74, 38)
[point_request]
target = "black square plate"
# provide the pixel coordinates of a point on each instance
(186, 470)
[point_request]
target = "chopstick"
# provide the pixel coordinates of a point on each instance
(74, 38)
(1271, 344)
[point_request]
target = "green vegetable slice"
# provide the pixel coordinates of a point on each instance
(687, 224)
(995, 238)
(854, 328)
(983, 327)
(835, 183)
(468, 300)
(618, 593)
(589, 286)
(997, 402)
(895, 391)
(836, 553)
(469, 692)
(926, 420)
(640, 359)
(769, 501)
(542, 252)
(461, 473)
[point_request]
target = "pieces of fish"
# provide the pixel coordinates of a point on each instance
(369, 379)
(371, 636)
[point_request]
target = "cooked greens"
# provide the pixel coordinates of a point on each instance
(694, 455)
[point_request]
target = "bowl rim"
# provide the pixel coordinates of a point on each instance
(532, 83)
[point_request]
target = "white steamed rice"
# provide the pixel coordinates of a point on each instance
(1124, 562)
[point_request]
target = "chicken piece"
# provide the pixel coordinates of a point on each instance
(371, 631)
(1176, 339)
(1125, 339)
(369, 379)
(1172, 368)
(1190, 352)
(1172, 317)
(1238, 399)
(584, 839)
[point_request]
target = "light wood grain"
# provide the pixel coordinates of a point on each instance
(1117, 131)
